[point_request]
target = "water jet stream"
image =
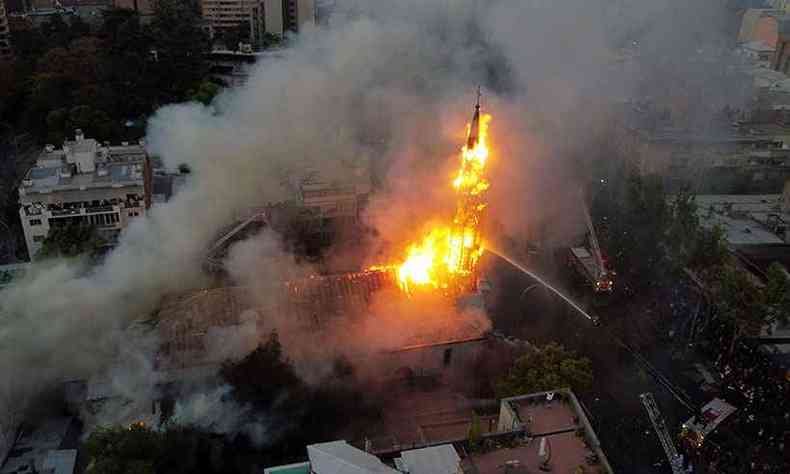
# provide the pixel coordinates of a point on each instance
(544, 283)
(679, 394)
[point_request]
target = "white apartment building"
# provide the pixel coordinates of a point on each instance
(84, 182)
(5, 33)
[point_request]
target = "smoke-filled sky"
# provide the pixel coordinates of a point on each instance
(391, 82)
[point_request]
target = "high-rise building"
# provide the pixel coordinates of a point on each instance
(280, 16)
(5, 34)
(227, 14)
(261, 16)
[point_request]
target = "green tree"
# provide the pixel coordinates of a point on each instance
(637, 215)
(710, 249)
(776, 294)
(204, 93)
(62, 122)
(72, 240)
(129, 85)
(738, 301)
(231, 37)
(123, 70)
(547, 368)
(78, 27)
(263, 374)
(118, 450)
(180, 45)
(64, 77)
(475, 432)
(271, 41)
(11, 88)
(138, 449)
(683, 228)
(56, 31)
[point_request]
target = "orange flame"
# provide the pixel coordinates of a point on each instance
(449, 252)
(470, 178)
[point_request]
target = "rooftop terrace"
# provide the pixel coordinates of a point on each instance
(85, 163)
(557, 418)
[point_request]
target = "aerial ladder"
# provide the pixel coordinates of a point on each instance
(675, 459)
(590, 263)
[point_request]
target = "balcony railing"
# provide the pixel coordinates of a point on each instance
(65, 212)
(97, 209)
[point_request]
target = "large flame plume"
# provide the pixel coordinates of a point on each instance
(446, 258)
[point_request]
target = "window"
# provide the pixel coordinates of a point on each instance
(35, 221)
(38, 238)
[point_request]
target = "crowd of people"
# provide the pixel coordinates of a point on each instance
(756, 438)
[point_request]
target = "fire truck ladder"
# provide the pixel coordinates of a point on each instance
(675, 459)
(596, 248)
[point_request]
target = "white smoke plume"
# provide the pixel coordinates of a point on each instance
(389, 80)
(214, 410)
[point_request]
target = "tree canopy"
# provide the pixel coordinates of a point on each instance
(651, 235)
(138, 449)
(71, 241)
(749, 305)
(118, 450)
(266, 380)
(120, 70)
(262, 375)
(549, 367)
(776, 294)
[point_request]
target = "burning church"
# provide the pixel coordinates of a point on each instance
(446, 258)
(421, 313)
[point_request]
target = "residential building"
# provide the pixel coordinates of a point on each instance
(287, 15)
(274, 17)
(737, 161)
(546, 431)
(559, 436)
(227, 14)
(746, 220)
(47, 447)
(89, 11)
(144, 8)
(84, 182)
(5, 34)
(758, 50)
(756, 230)
(783, 5)
(760, 24)
(57, 4)
(333, 198)
(235, 67)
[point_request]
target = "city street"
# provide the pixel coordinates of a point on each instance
(620, 376)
